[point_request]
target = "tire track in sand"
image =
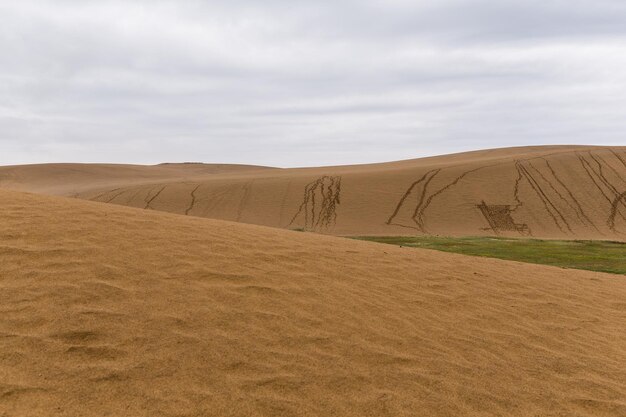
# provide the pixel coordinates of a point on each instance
(549, 206)
(149, 202)
(193, 200)
(423, 203)
(614, 210)
(324, 214)
(572, 203)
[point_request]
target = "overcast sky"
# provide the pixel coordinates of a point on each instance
(295, 83)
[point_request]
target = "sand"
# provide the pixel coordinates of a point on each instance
(72, 179)
(113, 311)
(564, 192)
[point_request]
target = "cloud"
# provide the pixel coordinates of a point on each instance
(292, 83)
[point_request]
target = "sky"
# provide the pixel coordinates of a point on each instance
(305, 83)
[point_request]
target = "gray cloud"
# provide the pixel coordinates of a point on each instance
(305, 83)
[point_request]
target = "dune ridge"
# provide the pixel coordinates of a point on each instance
(109, 310)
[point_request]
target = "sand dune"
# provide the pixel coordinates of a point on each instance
(570, 192)
(70, 179)
(109, 310)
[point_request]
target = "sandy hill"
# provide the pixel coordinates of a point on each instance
(110, 310)
(71, 179)
(571, 192)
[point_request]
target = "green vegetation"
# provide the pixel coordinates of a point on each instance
(600, 256)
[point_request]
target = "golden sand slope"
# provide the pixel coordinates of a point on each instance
(556, 192)
(70, 179)
(110, 310)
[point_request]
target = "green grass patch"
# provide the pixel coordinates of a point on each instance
(593, 255)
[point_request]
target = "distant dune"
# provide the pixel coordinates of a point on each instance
(108, 310)
(71, 179)
(571, 192)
